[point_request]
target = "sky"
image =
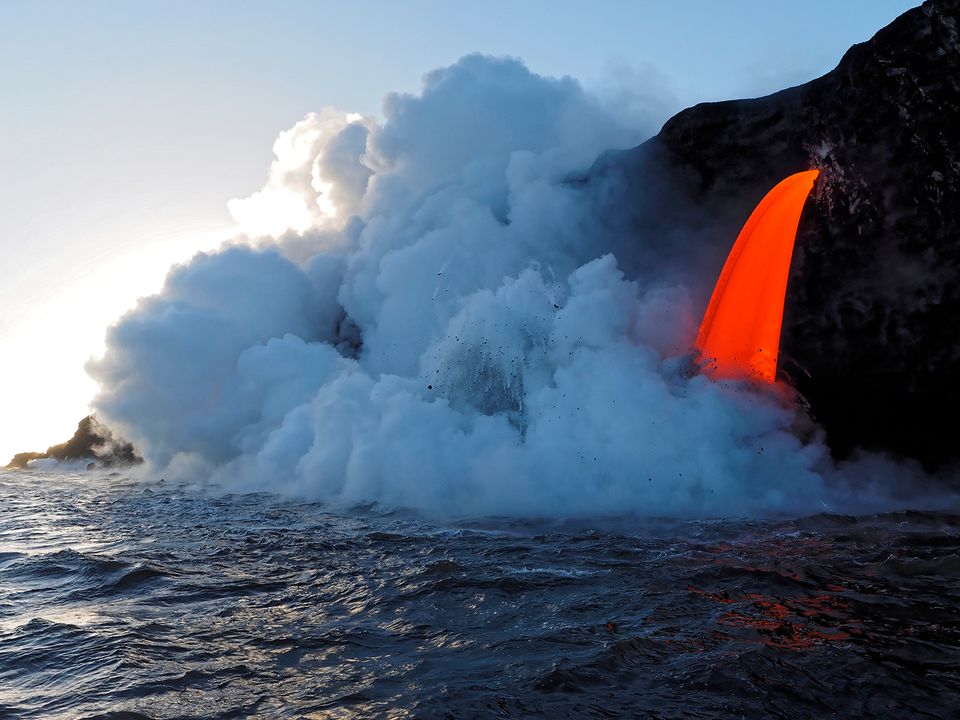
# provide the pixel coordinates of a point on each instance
(125, 128)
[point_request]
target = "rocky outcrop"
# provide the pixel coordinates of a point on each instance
(871, 331)
(92, 441)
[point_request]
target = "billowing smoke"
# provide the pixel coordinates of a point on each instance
(437, 323)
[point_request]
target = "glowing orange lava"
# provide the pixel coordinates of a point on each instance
(740, 333)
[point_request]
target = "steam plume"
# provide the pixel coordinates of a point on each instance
(439, 323)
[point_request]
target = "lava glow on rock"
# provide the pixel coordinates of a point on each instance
(740, 333)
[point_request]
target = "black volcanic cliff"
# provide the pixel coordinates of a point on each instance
(872, 325)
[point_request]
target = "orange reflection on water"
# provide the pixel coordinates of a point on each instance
(792, 623)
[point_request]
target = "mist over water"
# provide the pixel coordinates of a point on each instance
(426, 313)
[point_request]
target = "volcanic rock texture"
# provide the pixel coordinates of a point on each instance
(871, 332)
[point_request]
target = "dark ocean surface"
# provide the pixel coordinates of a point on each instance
(120, 600)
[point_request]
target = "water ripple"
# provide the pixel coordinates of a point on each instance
(119, 601)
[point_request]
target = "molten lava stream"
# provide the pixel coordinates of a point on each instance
(740, 333)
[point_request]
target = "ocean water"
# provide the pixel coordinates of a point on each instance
(125, 600)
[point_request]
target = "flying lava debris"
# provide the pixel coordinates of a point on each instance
(739, 336)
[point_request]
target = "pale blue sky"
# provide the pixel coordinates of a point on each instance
(126, 126)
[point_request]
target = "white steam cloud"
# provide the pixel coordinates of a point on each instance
(440, 326)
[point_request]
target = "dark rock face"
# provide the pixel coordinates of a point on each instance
(871, 331)
(92, 441)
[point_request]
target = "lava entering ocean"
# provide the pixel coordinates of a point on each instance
(465, 335)
(740, 332)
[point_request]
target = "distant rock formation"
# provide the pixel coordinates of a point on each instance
(871, 332)
(92, 441)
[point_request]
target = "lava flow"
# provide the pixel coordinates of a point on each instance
(740, 333)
